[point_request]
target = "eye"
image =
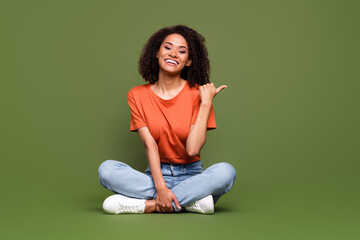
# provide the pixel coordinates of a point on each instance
(166, 47)
(182, 52)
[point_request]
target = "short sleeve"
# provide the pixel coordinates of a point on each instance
(136, 119)
(211, 120)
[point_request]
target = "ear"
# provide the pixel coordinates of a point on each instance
(188, 63)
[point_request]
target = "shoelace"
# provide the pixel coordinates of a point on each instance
(193, 205)
(128, 208)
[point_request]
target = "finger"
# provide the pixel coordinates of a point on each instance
(159, 208)
(177, 204)
(166, 208)
(162, 209)
(170, 209)
(220, 88)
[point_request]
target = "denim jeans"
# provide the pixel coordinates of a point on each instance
(189, 182)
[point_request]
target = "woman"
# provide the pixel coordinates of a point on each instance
(171, 113)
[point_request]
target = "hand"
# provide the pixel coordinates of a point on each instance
(163, 201)
(208, 92)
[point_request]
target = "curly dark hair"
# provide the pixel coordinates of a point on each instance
(199, 70)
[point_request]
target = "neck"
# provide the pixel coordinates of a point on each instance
(167, 82)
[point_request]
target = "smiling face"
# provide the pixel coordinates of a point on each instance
(173, 54)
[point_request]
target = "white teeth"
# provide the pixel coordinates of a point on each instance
(171, 61)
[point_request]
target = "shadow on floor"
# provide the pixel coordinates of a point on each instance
(94, 204)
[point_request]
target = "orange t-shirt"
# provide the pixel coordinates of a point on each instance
(168, 121)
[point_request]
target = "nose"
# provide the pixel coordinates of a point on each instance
(173, 53)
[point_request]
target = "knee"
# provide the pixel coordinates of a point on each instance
(226, 174)
(105, 170)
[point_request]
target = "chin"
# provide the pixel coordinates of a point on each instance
(170, 71)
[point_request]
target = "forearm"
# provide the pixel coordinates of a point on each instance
(197, 135)
(155, 168)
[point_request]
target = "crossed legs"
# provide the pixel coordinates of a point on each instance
(120, 178)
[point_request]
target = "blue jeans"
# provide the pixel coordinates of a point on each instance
(189, 182)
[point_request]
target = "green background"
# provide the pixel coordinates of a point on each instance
(288, 121)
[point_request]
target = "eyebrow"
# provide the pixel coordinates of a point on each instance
(172, 44)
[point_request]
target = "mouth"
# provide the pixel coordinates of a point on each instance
(171, 62)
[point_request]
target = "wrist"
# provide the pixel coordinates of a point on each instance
(161, 187)
(206, 103)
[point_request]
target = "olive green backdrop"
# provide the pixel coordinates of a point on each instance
(288, 122)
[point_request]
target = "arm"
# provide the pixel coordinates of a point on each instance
(197, 134)
(164, 196)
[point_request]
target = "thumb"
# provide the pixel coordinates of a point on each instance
(220, 88)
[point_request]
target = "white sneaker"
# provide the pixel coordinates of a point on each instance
(204, 205)
(118, 203)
